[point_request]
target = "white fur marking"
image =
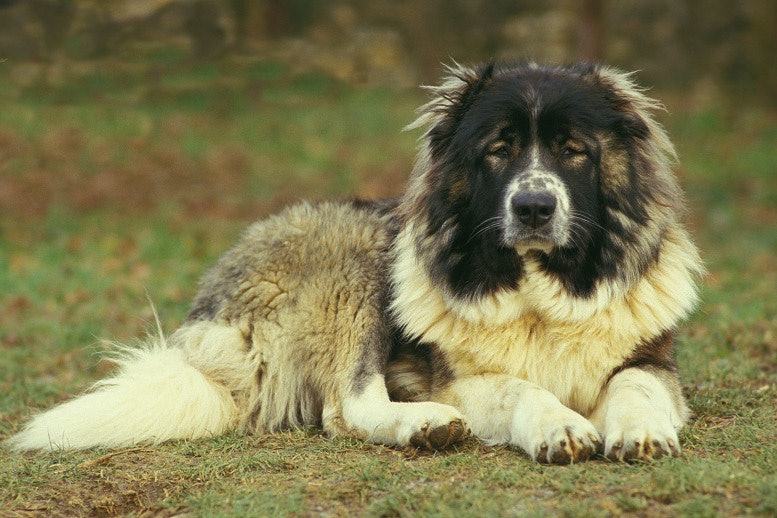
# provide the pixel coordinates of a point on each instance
(538, 179)
(542, 333)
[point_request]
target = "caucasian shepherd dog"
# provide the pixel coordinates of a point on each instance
(526, 289)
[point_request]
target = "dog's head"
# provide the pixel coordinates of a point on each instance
(562, 164)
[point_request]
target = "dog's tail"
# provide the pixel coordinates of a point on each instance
(161, 391)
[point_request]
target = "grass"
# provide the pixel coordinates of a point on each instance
(124, 183)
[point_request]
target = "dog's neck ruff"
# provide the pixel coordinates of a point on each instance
(664, 295)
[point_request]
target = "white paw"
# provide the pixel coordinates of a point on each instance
(558, 436)
(639, 435)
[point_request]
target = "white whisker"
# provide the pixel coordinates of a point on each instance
(576, 217)
(485, 226)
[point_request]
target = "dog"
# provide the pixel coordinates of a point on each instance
(527, 288)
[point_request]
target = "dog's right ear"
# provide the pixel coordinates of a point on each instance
(450, 101)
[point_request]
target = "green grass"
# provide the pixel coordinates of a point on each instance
(117, 186)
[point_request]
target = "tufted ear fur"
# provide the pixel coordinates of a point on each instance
(652, 149)
(450, 101)
(628, 98)
(639, 191)
(440, 116)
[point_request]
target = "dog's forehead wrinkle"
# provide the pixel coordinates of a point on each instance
(536, 108)
(534, 156)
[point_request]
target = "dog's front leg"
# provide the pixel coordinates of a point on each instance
(639, 414)
(503, 409)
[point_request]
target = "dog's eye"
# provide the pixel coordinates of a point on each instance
(498, 150)
(572, 151)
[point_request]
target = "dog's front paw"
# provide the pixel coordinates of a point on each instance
(566, 444)
(559, 437)
(639, 436)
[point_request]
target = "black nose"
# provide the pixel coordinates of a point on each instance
(534, 209)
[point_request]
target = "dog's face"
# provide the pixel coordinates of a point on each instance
(532, 155)
(562, 165)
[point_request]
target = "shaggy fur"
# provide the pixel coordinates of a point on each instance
(527, 288)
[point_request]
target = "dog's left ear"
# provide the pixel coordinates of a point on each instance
(450, 101)
(639, 172)
(476, 81)
(636, 109)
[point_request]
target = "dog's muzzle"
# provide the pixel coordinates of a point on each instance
(533, 209)
(536, 213)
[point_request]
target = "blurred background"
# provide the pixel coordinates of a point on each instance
(203, 102)
(138, 137)
(696, 44)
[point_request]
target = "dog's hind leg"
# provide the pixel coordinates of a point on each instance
(368, 412)
(359, 404)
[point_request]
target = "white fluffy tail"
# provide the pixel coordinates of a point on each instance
(156, 396)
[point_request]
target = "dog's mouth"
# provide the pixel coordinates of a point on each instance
(525, 239)
(535, 242)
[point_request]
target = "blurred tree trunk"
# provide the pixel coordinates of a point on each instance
(250, 21)
(56, 18)
(240, 13)
(590, 30)
(277, 18)
(202, 24)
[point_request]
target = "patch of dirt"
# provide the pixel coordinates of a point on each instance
(120, 483)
